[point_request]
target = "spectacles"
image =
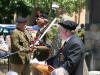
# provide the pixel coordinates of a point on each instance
(39, 18)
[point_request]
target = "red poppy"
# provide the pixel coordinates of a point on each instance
(62, 47)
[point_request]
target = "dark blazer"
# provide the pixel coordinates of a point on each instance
(69, 57)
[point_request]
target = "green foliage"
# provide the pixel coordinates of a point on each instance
(54, 30)
(9, 7)
(24, 7)
(72, 5)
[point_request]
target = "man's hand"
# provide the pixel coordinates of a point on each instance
(40, 67)
(30, 49)
(43, 69)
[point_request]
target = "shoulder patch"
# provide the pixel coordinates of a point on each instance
(15, 30)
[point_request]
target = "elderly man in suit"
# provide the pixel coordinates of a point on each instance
(70, 59)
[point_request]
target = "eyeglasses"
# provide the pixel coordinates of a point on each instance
(39, 18)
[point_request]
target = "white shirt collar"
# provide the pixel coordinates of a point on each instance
(68, 38)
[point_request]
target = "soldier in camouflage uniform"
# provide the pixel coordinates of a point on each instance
(42, 53)
(20, 41)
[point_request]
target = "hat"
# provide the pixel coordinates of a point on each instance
(68, 24)
(21, 20)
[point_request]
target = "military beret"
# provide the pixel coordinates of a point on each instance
(71, 25)
(21, 20)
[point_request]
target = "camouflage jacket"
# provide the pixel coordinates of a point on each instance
(20, 40)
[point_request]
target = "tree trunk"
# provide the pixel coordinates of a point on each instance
(15, 17)
(78, 17)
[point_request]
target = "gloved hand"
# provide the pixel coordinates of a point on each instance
(43, 69)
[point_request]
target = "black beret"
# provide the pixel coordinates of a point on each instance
(21, 20)
(71, 25)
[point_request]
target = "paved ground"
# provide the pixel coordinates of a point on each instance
(4, 68)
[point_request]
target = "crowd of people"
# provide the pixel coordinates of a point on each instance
(69, 60)
(80, 31)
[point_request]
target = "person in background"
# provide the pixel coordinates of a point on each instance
(20, 41)
(41, 22)
(3, 47)
(41, 53)
(81, 32)
(39, 14)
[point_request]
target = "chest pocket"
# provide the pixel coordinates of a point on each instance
(22, 39)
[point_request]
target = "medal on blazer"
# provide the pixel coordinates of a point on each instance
(61, 57)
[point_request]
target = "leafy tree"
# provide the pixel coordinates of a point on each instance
(9, 7)
(71, 6)
(24, 7)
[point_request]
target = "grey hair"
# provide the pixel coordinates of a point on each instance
(69, 31)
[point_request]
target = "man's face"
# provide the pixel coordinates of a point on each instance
(40, 22)
(63, 33)
(21, 26)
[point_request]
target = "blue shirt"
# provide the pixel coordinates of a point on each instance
(36, 27)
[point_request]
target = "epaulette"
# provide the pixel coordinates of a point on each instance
(14, 30)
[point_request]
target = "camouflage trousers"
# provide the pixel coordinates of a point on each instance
(21, 69)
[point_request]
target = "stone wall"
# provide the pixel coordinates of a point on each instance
(92, 42)
(92, 35)
(4, 68)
